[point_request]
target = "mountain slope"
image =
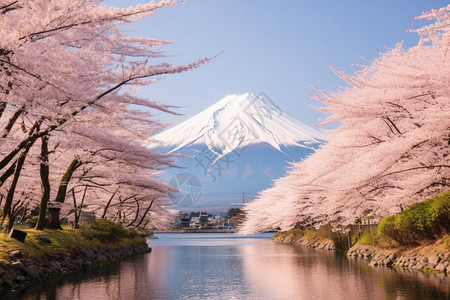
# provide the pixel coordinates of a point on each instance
(237, 146)
(238, 121)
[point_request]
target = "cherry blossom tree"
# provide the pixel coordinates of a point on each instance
(116, 170)
(65, 65)
(391, 149)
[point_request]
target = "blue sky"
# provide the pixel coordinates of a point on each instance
(278, 47)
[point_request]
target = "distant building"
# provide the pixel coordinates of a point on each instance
(182, 221)
(201, 220)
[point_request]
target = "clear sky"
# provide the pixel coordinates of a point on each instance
(278, 47)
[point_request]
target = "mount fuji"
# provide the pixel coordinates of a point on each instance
(232, 150)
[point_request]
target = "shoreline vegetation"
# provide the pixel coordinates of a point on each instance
(49, 253)
(416, 239)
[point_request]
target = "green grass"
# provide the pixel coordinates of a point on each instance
(323, 233)
(289, 234)
(373, 238)
(101, 234)
(311, 233)
(368, 238)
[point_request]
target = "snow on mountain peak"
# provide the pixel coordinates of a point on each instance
(237, 121)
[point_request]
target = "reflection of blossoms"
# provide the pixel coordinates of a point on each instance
(211, 162)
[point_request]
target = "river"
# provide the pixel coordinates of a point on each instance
(227, 266)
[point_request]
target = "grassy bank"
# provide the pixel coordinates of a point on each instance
(423, 225)
(324, 233)
(99, 234)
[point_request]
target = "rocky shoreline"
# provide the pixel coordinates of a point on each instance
(22, 272)
(430, 261)
(434, 261)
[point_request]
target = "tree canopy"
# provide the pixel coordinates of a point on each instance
(392, 146)
(70, 112)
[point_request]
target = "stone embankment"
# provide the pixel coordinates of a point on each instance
(325, 244)
(432, 261)
(412, 259)
(22, 272)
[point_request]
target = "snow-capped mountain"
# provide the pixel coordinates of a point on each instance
(237, 145)
(238, 121)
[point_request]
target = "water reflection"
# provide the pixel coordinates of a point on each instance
(223, 266)
(297, 273)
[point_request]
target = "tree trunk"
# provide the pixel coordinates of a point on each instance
(145, 213)
(15, 210)
(54, 222)
(53, 215)
(137, 212)
(2, 108)
(10, 196)
(25, 144)
(45, 184)
(12, 121)
(78, 211)
(108, 204)
(7, 174)
(24, 213)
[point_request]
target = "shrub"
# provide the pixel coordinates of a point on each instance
(440, 212)
(143, 232)
(368, 238)
(425, 220)
(106, 231)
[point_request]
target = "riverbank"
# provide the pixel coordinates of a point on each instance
(426, 257)
(51, 253)
(298, 238)
(417, 239)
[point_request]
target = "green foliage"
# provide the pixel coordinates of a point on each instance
(373, 238)
(143, 232)
(69, 239)
(323, 233)
(289, 234)
(106, 231)
(368, 238)
(61, 241)
(426, 220)
(310, 233)
(234, 212)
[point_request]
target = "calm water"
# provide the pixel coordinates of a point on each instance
(225, 266)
